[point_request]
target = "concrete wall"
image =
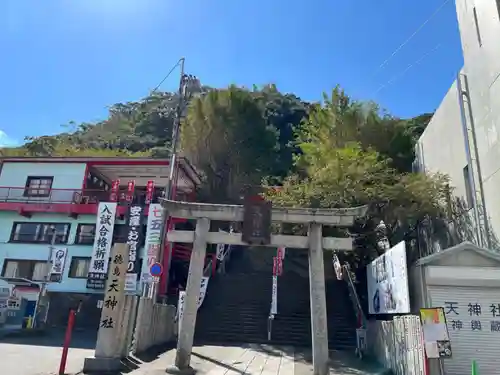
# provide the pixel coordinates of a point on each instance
(442, 146)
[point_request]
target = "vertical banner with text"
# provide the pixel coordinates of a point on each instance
(150, 189)
(153, 240)
(98, 269)
(135, 239)
(58, 261)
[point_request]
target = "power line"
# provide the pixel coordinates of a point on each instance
(402, 73)
(168, 75)
(410, 37)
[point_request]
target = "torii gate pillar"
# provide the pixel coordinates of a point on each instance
(314, 241)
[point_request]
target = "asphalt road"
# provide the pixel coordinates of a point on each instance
(41, 355)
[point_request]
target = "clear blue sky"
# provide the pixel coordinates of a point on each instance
(65, 60)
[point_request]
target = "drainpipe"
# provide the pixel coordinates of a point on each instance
(473, 161)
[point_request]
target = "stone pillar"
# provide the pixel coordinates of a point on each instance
(319, 325)
(188, 319)
(108, 346)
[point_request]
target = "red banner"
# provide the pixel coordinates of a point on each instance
(115, 187)
(279, 261)
(150, 188)
(130, 191)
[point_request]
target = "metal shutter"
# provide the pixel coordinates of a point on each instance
(468, 344)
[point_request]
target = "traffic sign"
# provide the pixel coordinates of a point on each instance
(156, 269)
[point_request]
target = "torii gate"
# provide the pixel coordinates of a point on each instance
(314, 241)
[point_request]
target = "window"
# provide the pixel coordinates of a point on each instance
(468, 187)
(38, 186)
(28, 232)
(79, 267)
(85, 234)
(478, 32)
(35, 270)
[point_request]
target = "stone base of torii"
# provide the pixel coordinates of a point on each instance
(316, 244)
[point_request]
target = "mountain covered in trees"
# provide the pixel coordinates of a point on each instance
(335, 153)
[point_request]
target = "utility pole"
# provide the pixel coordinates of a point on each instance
(46, 278)
(186, 84)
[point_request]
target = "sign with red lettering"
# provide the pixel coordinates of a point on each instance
(115, 187)
(150, 187)
(130, 191)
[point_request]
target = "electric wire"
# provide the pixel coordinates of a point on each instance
(394, 53)
(166, 77)
(397, 76)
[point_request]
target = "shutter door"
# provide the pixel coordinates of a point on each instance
(474, 329)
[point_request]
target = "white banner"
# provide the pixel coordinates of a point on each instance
(203, 290)
(274, 297)
(58, 261)
(388, 282)
(105, 224)
(153, 241)
(135, 238)
(182, 298)
(221, 248)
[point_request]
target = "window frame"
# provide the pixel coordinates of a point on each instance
(32, 264)
(28, 188)
(63, 241)
(78, 234)
(73, 265)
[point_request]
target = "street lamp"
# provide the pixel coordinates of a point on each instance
(382, 239)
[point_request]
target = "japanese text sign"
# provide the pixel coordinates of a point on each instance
(106, 213)
(153, 240)
(113, 296)
(58, 261)
(473, 316)
(134, 240)
(150, 188)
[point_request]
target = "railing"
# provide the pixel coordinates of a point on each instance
(353, 295)
(360, 316)
(61, 196)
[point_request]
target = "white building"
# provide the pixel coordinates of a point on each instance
(462, 140)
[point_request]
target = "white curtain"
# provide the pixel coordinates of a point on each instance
(40, 271)
(12, 269)
(82, 267)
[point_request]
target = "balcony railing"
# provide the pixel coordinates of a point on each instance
(62, 196)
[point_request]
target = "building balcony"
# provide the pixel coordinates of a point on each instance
(67, 201)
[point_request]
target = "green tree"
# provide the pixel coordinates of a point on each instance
(340, 166)
(226, 136)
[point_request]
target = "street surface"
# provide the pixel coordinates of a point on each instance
(41, 355)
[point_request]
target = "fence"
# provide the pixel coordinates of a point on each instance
(154, 325)
(397, 344)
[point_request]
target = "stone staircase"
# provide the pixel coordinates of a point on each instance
(237, 304)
